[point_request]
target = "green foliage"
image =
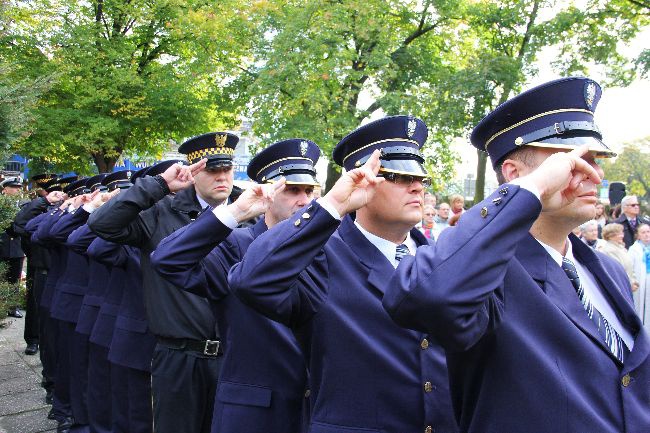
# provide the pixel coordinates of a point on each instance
(632, 166)
(318, 68)
(8, 296)
(504, 39)
(8, 209)
(131, 75)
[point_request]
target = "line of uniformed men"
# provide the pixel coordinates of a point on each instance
(306, 343)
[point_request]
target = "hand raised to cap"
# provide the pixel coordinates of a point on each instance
(66, 203)
(102, 198)
(255, 200)
(564, 176)
(179, 177)
(355, 188)
(87, 198)
(54, 196)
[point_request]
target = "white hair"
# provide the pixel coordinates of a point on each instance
(627, 199)
(585, 226)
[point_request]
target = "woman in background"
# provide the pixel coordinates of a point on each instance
(615, 248)
(639, 254)
(428, 223)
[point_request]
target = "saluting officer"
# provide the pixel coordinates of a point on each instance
(322, 273)
(185, 363)
(98, 314)
(38, 259)
(66, 303)
(34, 260)
(262, 380)
(53, 260)
(539, 328)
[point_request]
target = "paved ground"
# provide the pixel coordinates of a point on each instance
(22, 400)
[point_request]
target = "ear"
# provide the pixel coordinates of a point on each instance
(512, 169)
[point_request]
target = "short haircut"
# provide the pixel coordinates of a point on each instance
(627, 199)
(524, 154)
(611, 229)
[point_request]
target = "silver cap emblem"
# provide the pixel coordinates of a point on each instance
(410, 128)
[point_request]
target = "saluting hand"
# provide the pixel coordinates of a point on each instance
(68, 201)
(563, 177)
(179, 177)
(355, 188)
(87, 198)
(255, 200)
(102, 198)
(54, 196)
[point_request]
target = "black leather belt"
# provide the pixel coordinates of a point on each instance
(206, 347)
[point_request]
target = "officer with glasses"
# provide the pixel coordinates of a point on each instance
(322, 272)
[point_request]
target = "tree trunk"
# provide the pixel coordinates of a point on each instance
(104, 164)
(332, 175)
(480, 177)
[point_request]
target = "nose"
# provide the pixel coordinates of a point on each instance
(303, 199)
(416, 186)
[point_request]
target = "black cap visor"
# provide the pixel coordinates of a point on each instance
(296, 178)
(119, 184)
(214, 162)
(596, 146)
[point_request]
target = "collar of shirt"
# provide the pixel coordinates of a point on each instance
(205, 204)
(386, 247)
(593, 290)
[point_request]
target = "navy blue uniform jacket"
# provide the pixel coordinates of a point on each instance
(366, 373)
(523, 355)
(263, 375)
(73, 282)
(40, 229)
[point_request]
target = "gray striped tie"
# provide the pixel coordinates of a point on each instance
(609, 334)
(401, 251)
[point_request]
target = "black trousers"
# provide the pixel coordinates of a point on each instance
(35, 287)
(183, 382)
(47, 340)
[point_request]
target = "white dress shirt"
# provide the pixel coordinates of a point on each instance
(593, 292)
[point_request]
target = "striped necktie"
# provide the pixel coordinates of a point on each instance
(609, 334)
(401, 251)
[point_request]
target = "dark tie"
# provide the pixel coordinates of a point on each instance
(401, 251)
(633, 223)
(609, 334)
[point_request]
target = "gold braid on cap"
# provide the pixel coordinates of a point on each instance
(204, 153)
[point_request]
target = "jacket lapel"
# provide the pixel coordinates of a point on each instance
(379, 268)
(621, 306)
(559, 290)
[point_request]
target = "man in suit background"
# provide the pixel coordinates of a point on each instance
(539, 330)
(630, 218)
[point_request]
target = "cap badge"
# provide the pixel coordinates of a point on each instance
(303, 148)
(220, 140)
(128, 174)
(410, 127)
(590, 94)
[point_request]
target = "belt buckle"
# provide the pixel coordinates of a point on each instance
(211, 347)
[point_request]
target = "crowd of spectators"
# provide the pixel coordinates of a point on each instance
(620, 231)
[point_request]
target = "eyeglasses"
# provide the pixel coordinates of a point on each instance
(632, 204)
(406, 179)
